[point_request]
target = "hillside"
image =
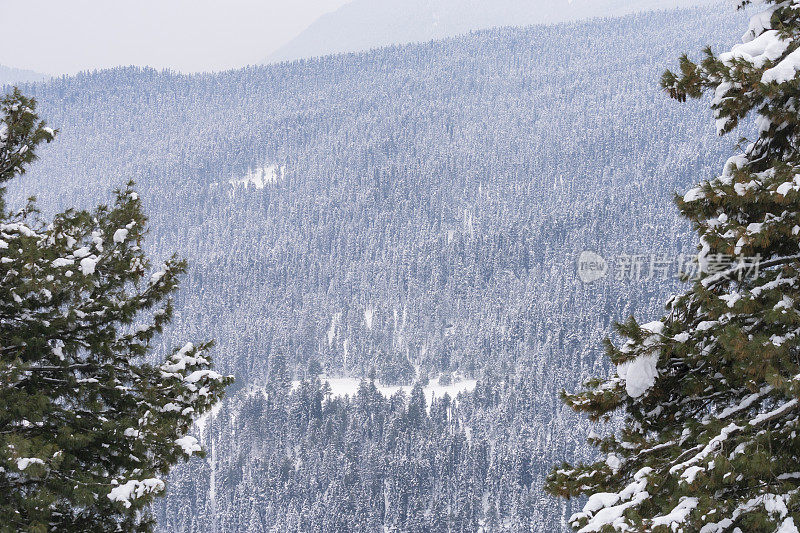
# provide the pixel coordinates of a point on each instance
(409, 212)
(367, 24)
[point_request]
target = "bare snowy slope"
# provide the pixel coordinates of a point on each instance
(365, 24)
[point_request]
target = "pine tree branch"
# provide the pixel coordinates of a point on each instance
(714, 280)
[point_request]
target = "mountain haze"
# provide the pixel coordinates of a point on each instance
(366, 24)
(10, 76)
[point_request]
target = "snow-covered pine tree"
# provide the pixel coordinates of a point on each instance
(711, 437)
(87, 427)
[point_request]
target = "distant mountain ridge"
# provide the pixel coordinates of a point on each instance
(367, 24)
(10, 75)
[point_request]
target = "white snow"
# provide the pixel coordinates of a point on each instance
(120, 235)
(260, 177)
(760, 22)
(681, 337)
(731, 299)
(613, 462)
(600, 500)
(25, 462)
(58, 348)
(755, 227)
(655, 327)
(712, 446)
(691, 473)
(639, 374)
(745, 403)
(787, 526)
(733, 164)
(188, 444)
(783, 71)
(720, 94)
(762, 44)
(693, 195)
(341, 387)
(197, 375)
(135, 489)
(180, 359)
(332, 330)
(788, 406)
(83, 251)
(632, 496)
(702, 257)
(785, 303)
(202, 421)
(766, 47)
(784, 188)
(88, 265)
(678, 515)
(706, 325)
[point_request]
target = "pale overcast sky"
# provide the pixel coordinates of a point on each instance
(65, 36)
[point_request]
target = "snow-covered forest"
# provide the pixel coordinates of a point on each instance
(412, 213)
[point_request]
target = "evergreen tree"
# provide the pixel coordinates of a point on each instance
(88, 428)
(710, 392)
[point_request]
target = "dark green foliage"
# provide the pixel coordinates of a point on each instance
(712, 442)
(87, 426)
(21, 132)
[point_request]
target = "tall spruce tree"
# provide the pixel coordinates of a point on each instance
(709, 393)
(87, 427)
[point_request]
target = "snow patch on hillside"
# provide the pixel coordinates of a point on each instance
(341, 387)
(202, 421)
(332, 330)
(260, 177)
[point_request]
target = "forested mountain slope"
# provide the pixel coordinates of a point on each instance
(365, 24)
(415, 210)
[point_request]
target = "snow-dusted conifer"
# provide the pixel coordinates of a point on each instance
(88, 429)
(711, 437)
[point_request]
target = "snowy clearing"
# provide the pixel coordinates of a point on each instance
(341, 387)
(260, 177)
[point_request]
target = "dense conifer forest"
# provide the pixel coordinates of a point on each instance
(403, 215)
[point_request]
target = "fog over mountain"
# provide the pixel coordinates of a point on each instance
(182, 35)
(10, 76)
(366, 24)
